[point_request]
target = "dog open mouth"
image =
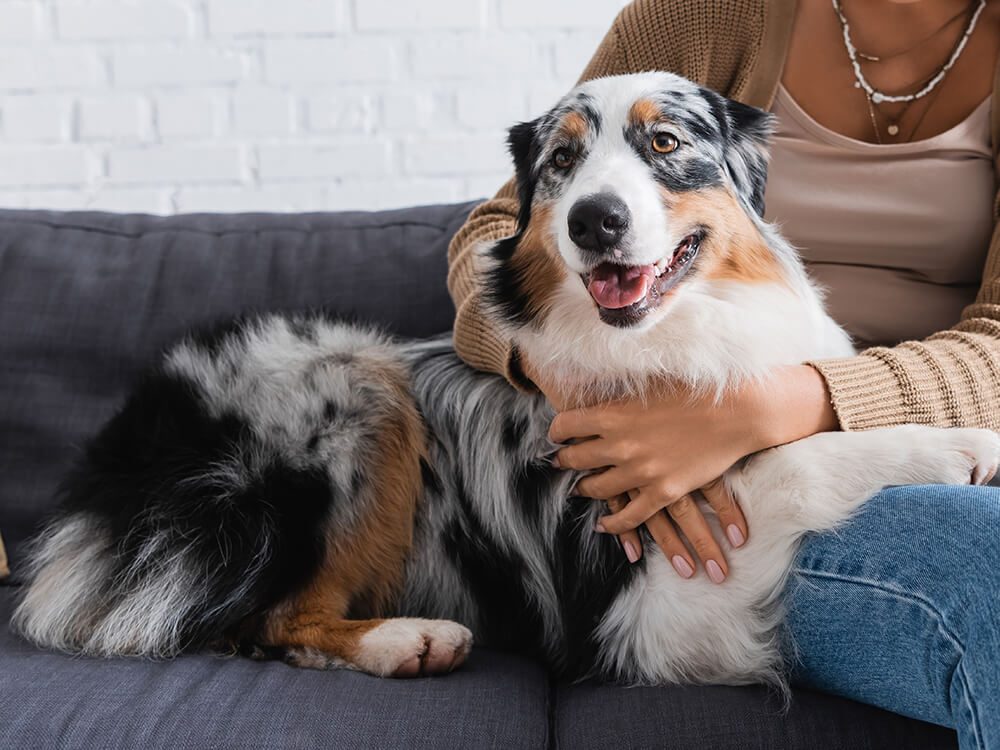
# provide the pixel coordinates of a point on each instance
(624, 294)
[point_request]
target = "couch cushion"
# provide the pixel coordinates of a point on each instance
(590, 715)
(87, 299)
(50, 700)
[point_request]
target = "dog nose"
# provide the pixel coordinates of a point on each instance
(598, 222)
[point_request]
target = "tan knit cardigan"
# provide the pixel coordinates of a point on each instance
(738, 48)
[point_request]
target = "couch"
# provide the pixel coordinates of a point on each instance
(86, 300)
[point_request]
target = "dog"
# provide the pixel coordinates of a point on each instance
(289, 486)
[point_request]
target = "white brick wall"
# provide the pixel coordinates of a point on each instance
(283, 105)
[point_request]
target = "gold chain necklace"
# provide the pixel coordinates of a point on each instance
(874, 97)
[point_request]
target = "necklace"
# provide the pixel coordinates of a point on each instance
(893, 55)
(876, 96)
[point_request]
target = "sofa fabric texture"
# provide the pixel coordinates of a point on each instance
(86, 302)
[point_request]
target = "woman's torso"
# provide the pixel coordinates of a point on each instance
(896, 234)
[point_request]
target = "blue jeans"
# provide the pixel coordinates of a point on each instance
(900, 608)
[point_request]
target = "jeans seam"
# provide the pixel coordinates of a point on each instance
(929, 607)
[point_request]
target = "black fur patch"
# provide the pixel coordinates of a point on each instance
(143, 477)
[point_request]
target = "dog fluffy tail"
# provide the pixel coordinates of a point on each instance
(207, 500)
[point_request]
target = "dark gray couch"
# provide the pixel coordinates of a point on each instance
(87, 299)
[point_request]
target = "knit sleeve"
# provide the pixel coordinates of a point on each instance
(477, 340)
(949, 379)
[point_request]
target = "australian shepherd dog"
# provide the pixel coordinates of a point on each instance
(293, 487)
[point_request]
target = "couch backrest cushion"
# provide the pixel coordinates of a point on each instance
(88, 299)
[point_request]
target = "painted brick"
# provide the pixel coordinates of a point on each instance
(340, 113)
(478, 57)
(176, 67)
(176, 164)
(558, 14)
(20, 21)
(335, 60)
(46, 66)
(131, 200)
(412, 109)
(37, 166)
(119, 117)
(263, 111)
(186, 114)
(378, 194)
(131, 21)
(275, 104)
(272, 17)
(393, 15)
(307, 197)
(573, 52)
(37, 117)
(505, 104)
(457, 155)
(323, 161)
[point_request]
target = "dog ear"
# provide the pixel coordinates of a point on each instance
(747, 151)
(522, 139)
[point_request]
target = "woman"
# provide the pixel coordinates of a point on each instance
(885, 167)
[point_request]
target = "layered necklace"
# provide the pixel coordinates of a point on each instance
(926, 85)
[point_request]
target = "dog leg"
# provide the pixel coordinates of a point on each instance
(820, 480)
(318, 638)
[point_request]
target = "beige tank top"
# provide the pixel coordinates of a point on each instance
(897, 234)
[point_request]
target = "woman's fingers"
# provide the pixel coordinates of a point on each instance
(575, 423)
(726, 508)
(689, 519)
(666, 536)
(608, 483)
(640, 507)
(630, 539)
(590, 454)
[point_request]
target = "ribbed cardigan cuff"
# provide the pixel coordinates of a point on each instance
(864, 390)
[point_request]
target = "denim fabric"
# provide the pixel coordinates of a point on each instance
(901, 608)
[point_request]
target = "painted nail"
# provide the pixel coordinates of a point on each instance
(735, 535)
(714, 571)
(682, 566)
(630, 552)
(600, 527)
(555, 462)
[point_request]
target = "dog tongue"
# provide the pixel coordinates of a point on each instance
(620, 286)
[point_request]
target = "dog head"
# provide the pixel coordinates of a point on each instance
(632, 189)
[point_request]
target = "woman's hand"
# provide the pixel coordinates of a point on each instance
(664, 448)
(661, 450)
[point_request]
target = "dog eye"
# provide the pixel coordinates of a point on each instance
(562, 158)
(664, 143)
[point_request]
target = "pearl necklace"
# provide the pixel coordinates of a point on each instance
(877, 96)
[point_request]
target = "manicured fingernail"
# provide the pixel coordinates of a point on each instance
(555, 462)
(630, 552)
(682, 566)
(714, 571)
(735, 535)
(600, 527)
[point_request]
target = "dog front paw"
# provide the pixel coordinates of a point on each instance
(412, 647)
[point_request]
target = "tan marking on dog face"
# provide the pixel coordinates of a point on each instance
(363, 566)
(644, 112)
(573, 127)
(734, 249)
(537, 262)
